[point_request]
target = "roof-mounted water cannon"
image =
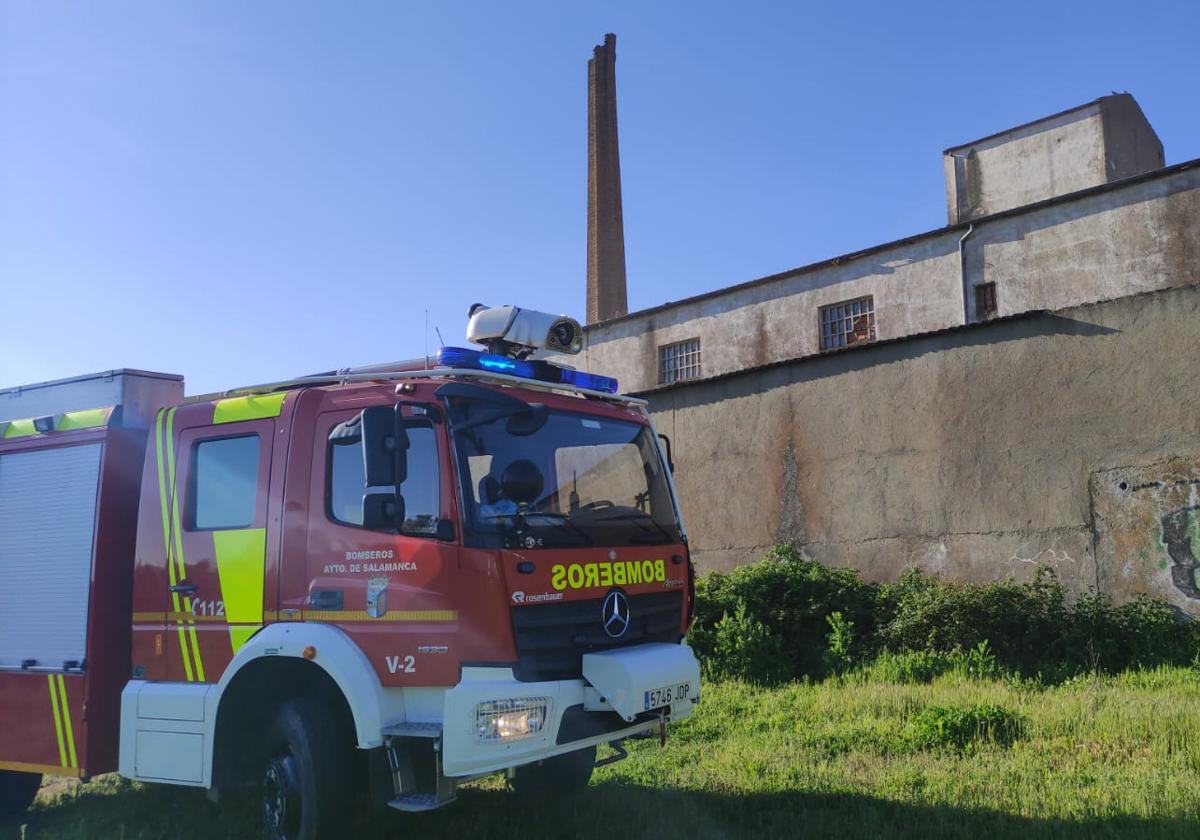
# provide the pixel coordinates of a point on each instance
(515, 332)
(511, 335)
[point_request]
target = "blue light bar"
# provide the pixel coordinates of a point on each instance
(460, 357)
(592, 381)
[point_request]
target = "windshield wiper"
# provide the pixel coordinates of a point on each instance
(638, 516)
(556, 519)
(561, 519)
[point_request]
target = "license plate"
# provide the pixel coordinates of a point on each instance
(656, 698)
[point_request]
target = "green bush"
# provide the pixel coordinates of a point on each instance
(745, 650)
(958, 727)
(839, 649)
(1022, 623)
(787, 617)
(792, 597)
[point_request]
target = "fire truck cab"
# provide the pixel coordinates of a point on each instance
(380, 581)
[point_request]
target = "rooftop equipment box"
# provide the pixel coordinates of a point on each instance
(140, 394)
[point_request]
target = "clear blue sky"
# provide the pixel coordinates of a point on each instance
(244, 191)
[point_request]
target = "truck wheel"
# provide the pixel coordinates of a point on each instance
(555, 776)
(17, 790)
(306, 787)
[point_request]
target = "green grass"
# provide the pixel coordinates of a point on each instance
(1095, 757)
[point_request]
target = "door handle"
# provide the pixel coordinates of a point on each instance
(185, 588)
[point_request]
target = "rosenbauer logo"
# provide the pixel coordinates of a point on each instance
(623, 573)
(519, 597)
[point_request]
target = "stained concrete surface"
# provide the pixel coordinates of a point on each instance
(1123, 239)
(970, 453)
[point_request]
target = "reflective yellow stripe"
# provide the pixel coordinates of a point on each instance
(181, 570)
(151, 617)
(163, 415)
(254, 407)
(19, 428)
(44, 769)
(241, 557)
(390, 615)
(86, 419)
(89, 419)
(196, 650)
(58, 730)
(66, 716)
(242, 633)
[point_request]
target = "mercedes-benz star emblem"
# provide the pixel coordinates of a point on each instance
(614, 614)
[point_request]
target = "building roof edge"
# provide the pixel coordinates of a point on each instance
(1165, 172)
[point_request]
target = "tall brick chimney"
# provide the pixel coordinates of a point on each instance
(606, 297)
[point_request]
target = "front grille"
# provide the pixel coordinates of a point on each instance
(552, 638)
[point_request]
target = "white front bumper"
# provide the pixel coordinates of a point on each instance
(634, 670)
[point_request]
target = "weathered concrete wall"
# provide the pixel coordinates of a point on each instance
(1050, 158)
(1131, 143)
(1084, 147)
(917, 288)
(1147, 527)
(1116, 241)
(972, 453)
(1121, 241)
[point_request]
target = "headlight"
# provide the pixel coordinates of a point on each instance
(513, 717)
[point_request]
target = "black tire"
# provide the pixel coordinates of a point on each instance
(17, 791)
(307, 790)
(555, 776)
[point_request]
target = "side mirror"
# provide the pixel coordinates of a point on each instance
(383, 511)
(385, 447)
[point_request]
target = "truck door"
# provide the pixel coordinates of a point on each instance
(218, 545)
(392, 592)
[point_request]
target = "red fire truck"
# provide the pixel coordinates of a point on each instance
(382, 580)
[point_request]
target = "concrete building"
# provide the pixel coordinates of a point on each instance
(1126, 225)
(1016, 388)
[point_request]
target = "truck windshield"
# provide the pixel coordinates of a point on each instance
(574, 480)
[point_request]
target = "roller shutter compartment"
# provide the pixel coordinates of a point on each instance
(47, 524)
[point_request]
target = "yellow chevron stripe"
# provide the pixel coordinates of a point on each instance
(181, 571)
(58, 731)
(196, 652)
(241, 564)
(66, 716)
(164, 415)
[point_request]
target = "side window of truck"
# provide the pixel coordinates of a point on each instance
(224, 483)
(421, 489)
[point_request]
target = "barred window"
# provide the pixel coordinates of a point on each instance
(849, 322)
(679, 361)
(985, 300)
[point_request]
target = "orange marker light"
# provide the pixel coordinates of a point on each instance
(309, 652)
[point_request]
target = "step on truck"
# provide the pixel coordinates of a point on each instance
(366, 584)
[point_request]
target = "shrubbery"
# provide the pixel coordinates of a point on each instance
(787, 617)
(781, 605)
